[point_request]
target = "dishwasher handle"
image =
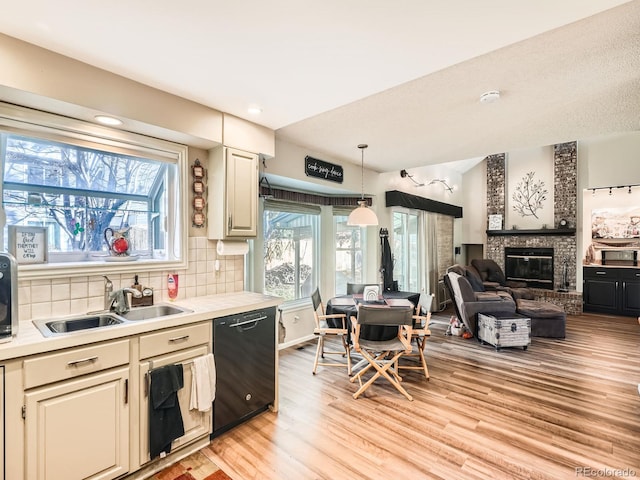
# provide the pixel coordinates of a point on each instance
(247, 322)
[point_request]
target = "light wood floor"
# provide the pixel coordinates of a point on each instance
(561, 405)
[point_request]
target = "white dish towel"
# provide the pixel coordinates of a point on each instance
(203, 383)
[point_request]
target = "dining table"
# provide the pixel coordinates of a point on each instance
(348, 305)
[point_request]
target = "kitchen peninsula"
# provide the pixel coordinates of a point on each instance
(76, 404)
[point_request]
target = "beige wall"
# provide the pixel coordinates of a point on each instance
(520, 162)
(610, 160)
(38, 78)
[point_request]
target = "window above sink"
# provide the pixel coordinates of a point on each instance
(80, 180)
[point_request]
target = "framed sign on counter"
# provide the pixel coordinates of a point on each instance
(28, 244)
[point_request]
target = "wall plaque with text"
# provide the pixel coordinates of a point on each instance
(321, 169)
(28, 244)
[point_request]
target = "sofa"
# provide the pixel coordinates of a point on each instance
(547, 319)
(468, 303)
(485, 274)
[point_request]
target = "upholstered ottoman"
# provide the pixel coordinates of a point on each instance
(547, 319)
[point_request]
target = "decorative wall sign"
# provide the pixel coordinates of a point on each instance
(321, 169)
(495, 222)
(28, 244)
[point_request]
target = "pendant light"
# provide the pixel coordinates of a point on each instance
(362, 216)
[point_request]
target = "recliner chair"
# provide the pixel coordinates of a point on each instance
(468, 303)
(489, 275)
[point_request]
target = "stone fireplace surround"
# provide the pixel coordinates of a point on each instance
(562, 240)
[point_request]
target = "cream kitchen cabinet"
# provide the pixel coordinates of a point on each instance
(76, 413)
(178, 346)
(232, 193)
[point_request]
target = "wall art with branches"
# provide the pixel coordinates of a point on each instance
(529, 196)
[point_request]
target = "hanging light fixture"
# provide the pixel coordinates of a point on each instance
(363, 215)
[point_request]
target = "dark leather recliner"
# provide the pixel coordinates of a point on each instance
(468, 303)
(487, 274)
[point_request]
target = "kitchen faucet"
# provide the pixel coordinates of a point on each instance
(108, 290)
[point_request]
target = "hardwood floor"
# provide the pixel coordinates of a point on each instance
(561, 409)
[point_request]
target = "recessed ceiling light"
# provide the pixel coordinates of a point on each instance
(254, 110)
(107, 120)
(490, 96)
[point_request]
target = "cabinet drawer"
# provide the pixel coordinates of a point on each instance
(175, 339)
(74, 362)
(630, 274)
(595, 272)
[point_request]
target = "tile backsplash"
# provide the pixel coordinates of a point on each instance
(76, 295)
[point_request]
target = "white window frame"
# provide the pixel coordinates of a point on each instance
(408, 258)
(27, 122)
(316, 273)
(362, 249)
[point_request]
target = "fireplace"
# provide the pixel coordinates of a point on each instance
(531, 265)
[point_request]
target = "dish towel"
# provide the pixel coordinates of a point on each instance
(203, 383)
(165, 417)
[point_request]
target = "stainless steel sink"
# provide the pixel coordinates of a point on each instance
(74, 324)
(63, 326)
(153, 311)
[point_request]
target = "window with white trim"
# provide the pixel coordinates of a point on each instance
(350, 242)
(79, 180)
(406, 268)
(291, 249)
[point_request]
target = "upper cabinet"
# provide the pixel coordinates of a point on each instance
(233, 178)
(233, 193)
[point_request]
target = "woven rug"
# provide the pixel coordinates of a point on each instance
(194, 467)
(219, 475)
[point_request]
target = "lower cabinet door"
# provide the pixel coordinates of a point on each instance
(600, 296)
(196, 424)
(630, 298)
(79, 428)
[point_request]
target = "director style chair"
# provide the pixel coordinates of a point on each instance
(381, 355)
(420, 333)
(324, 328)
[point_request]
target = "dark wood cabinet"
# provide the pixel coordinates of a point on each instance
(611, 290)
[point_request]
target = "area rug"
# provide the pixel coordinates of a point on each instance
(194, 467)
(219, 475)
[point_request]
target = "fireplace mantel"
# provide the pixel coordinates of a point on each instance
(541, 231)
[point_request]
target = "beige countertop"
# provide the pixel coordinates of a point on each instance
(30, 340)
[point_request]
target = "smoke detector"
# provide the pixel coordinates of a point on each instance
(490, 96)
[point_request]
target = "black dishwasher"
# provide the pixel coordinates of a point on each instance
(244, 347)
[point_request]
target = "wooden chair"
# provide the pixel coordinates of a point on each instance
(382, 355)
(420, 333)
(354, 288)
(325, 328)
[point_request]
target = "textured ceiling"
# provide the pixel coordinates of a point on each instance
(403, 77)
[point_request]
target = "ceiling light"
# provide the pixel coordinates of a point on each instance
(254, 110)
(362, 215)
(490, 96)
(107, 120)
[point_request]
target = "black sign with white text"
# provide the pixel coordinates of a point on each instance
(321, 169)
